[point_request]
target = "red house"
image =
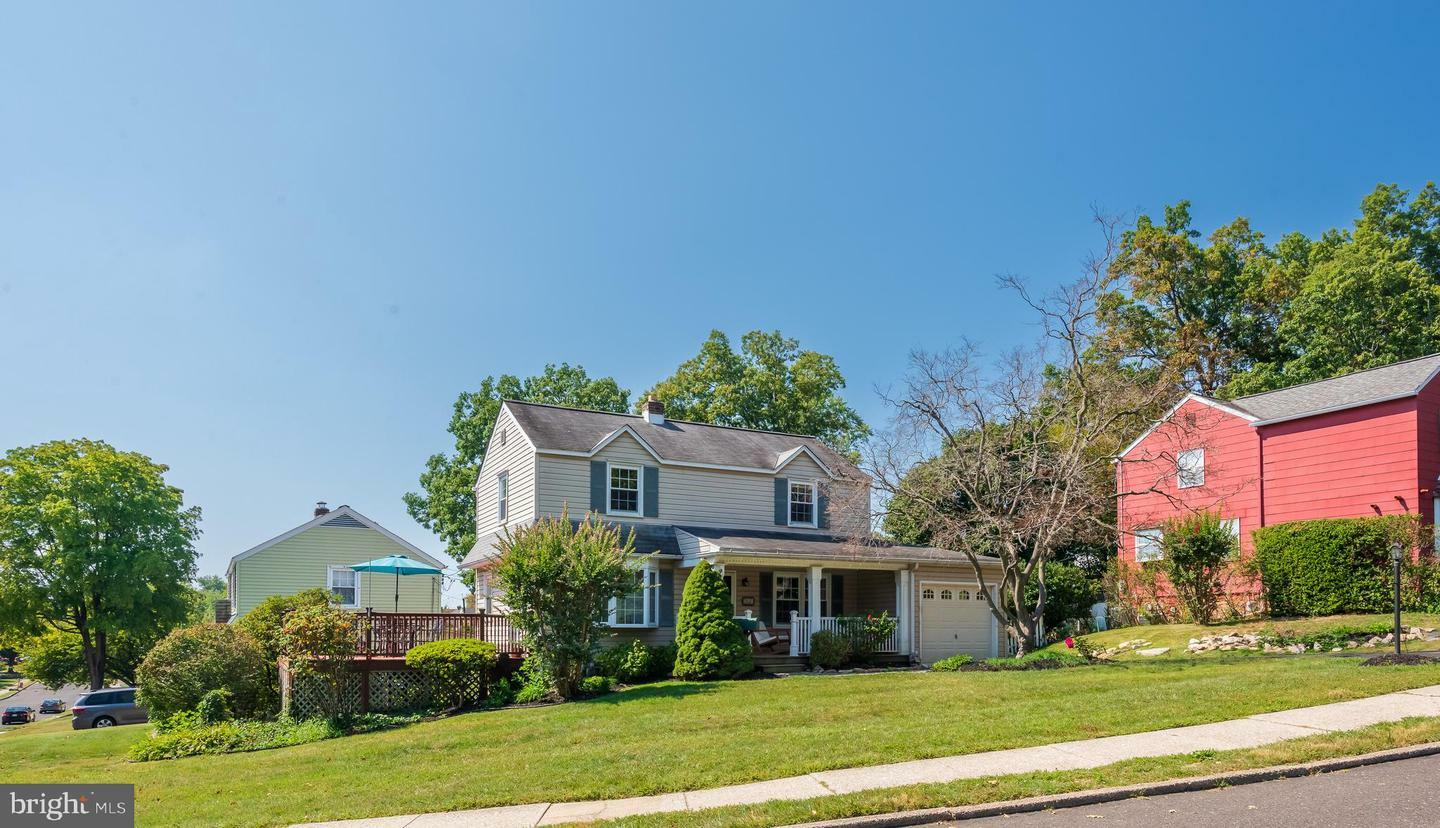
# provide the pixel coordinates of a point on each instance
(1358, 445)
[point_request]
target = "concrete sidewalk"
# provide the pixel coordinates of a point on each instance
(1252, 731)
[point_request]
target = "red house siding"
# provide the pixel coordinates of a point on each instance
(1354, 463)
(1232, 463)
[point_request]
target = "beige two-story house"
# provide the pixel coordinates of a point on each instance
(784, 517)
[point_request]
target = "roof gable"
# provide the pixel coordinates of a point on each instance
(558, 430)
(343, 517)
(1219, 405)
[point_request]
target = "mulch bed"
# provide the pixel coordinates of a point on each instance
(1393, 659)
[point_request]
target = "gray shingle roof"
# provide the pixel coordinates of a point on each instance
(650, 538)
(789, 544)
(572, 429)
(1359, 388)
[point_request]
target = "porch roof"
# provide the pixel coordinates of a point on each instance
(760, 543)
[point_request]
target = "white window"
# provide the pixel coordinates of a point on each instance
(1147, 545)
(1190, 468)
(802, 504)
(502, 496)
(788, 597)
(344, 582)
(640, 608)
(1233, 524)
(504, 432)
(624, 494)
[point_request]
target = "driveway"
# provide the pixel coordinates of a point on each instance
(1399, 794)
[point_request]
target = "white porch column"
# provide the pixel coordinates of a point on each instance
(815, 574)
(904, 607)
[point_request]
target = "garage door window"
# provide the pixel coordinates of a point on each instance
(946, 595)
(928, 595)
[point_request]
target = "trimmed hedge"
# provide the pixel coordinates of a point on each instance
(1325, 567)
(829, 650)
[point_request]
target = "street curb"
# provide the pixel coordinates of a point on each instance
(930, 816)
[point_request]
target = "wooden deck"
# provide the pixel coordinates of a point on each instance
(394, 633)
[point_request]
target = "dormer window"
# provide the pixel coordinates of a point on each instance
(1190, 468)
(624, 490)
(802, 504)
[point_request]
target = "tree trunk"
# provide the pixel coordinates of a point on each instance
(95, 661)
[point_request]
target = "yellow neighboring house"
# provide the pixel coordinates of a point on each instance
(319, 553)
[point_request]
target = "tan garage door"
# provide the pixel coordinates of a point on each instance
(953, 619)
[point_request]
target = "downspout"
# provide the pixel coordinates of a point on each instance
(1260, 439)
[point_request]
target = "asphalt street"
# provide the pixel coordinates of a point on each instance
(1398, 794)
(34, 694)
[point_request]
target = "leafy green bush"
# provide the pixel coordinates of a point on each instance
(1197, 550)
(951, 664)
(187, 736)
(1325, 567)
(596, 685)
(1070, 591)
(533, 682)
(216, 706)
(190, 662)
(1038, 660)
(866, 633)
(319, 641)
(263, 624)
(829, 650)
(708, 642)
(636, 662)
(459, 668)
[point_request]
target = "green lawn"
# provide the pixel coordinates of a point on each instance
(1177, 636)
(680, 736)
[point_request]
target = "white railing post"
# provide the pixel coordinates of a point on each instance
(795, 634)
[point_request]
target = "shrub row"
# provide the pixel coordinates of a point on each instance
(1325, 567)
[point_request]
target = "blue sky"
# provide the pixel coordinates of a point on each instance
(267, 245)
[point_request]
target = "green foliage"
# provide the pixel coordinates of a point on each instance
(636, 662)
(771, 384)
(1038, 660)
(866, 633)
(533, 682)
(708, 642)
(596, 685)
(952, 664)
(216, 706)
(559, 579)
(829, 650)
(188, 736)
(1197, 549)
(446, 503)
(1325, 567)
(320, 641)
(192, 661)
(56, 658)
(94, 542)
(454, 665)
(1070, 591)
(264, 622)
(207, 590)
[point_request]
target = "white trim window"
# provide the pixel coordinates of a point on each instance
(802, 504)
(502, 496)
(1233, 524)
(789, 595)
(1190, 468)
(622, 490)
(344, 582)
(640, 608)
(1147, 544)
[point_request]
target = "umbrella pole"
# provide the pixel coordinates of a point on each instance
(397, 589)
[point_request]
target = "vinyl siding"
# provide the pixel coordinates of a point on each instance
(688, 496)
(517, 458)
(300, 563)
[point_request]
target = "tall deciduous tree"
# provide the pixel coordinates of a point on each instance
(93, 542)
(771, 384)
(446, 503)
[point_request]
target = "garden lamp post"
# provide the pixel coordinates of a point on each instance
(1396, 555)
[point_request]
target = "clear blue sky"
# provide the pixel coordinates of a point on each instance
(268, 244)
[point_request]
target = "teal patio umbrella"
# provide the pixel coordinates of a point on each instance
(399, 565)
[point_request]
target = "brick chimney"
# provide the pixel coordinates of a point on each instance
(321, 508)
(654, 412)
(222, 611)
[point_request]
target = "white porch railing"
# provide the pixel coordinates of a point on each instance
(802, 627)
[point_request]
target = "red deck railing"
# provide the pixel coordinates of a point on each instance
(394, 633)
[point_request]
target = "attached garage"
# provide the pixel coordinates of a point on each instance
(954, 619)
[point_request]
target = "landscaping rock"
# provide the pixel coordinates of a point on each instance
(1153, 651)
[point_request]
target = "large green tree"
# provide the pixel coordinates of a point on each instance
(95, 543)
(771, 383)
(446, 502)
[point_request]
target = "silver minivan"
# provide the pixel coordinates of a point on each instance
(106, 708)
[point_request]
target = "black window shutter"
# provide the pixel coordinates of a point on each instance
(597, 486)
(822, 509)
(782, 501)
(667, 597)
(652, 491)
(767, 597)
(837, 595)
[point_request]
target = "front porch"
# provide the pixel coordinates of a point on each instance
(792, 602)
